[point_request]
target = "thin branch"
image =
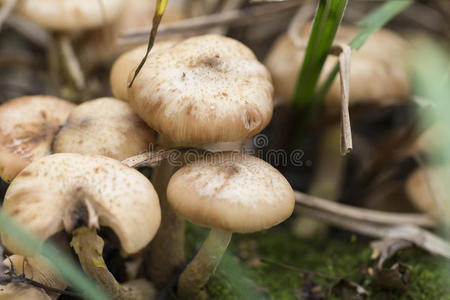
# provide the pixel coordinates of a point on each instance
(231, 18)
(31, 31)
(362, 214)
(71, 62)
(6, 10)
(344, 52)
(304, 13)
(148, 159)
(298, 270)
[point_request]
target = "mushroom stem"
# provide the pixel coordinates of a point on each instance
(166, 252)
(204, 264)
(326, 182)
(89, 247)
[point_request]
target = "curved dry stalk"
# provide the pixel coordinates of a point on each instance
(344, 52)
(89, 248)
(6, 10)
(361, 214)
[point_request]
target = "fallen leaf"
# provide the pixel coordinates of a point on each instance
(349, 290)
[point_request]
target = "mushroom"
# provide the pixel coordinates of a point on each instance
(104, 126)
(38, 269)
(379, 75)
(227, 192)
(79, 193)
(63, 18)
(205, 89)
(27, 128)
(123, 66)
(379, 71)
(69, 15)
(419, 192)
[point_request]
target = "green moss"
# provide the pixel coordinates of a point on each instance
(247, 277)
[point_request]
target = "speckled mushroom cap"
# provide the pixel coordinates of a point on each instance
(67, 190)
(204, 89)
(104, 126)
(127, 62)
(231, 191)
(27, 128)
(69, 14)
(40, 271)
(379, 71)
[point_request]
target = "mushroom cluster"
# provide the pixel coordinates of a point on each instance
(207, 93)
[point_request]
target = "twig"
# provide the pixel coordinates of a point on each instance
(6, 10)
(231, 18)
(10, 276)
(344, 53)
(298, 270)
(71, 62)
(30, 30)
(362, 214)
(149, 159)
(304, 13)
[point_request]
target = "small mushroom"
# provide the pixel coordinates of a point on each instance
(204, 89)
(79, 193)
(104, 126)
(227, 192)
(129, 61)
(27, 128)
(69, 14)
(379, 71)
(37, 269)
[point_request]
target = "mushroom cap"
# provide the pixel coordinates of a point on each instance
(379, 70)
(127, 62)
(27, 128)
(70, 14)
(204, 89)
(104, 126)
(67, 190)
(231, 191)
(419, 192)
(40, 270)
(434, 141)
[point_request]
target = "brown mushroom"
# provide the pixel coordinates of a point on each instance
(68, 14)
(379, 71)
(38, 269)
(227, 192)
(104, 126)
(27, 128)
(79, 193)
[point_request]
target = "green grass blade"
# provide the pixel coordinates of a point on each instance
(326, 22)
(370, 24)
(71, 272)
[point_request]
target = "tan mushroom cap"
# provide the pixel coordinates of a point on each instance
(204, 89)
(104, 126)
(379, 71)
(40, 270)
(434, 140)
(67, 190)
(419, 192)
(27, 128)
(231, 191)
(69, 14)
(127, 62)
